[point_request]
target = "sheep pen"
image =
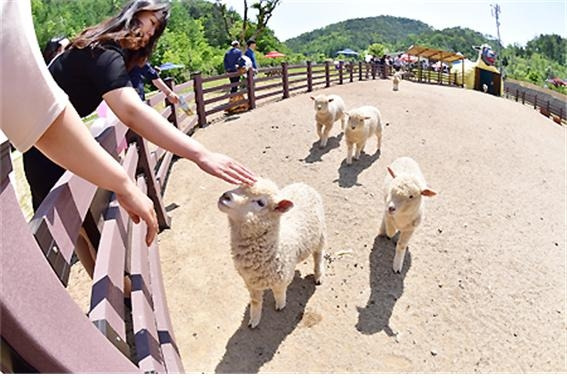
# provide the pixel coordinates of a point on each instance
(482, 287)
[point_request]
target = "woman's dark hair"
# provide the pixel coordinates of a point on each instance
(124, 30)
(51, 48)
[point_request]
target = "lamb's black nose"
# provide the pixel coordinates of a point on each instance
(226, 197)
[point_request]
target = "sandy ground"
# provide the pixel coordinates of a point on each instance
(483, 284)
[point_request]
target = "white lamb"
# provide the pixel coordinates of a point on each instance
(404, 189)
(272, 231)
(362, 123)
(396, 80)
(328, 110)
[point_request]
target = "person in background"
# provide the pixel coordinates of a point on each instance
(232, 63)
(144, 71)
(251, 44)
(43, 117)
(54, 47)
(95, 67)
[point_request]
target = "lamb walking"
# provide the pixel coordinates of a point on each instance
(363, 122)
(273, 230)
(404, 189)
(328, 110)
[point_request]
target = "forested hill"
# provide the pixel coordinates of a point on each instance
(357, 34)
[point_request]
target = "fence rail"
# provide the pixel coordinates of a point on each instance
(548, 105)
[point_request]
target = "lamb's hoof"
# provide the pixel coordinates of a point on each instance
(280, 307)
(322, 144)
(253, 323)
(318, 282)
(397, 266)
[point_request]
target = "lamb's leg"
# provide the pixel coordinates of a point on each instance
(319, 128)
(401, 250)
(349, 153)
(359, 149)
(326, 131)
(378, 140)
(256, 297)
(280, 296)
(319, 265)
(343, 121)
(387, 227)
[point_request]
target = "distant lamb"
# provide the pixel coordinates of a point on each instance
(272, 231)
(404, 189)
(396, 80)
(363, 122)
(328, 110)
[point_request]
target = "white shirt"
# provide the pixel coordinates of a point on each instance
(30, 100)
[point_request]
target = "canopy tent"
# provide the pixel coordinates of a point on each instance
(170, 66)
(434, 54)
(274, 54)
(346, 52)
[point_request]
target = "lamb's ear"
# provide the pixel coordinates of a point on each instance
(428, 193)
(331, 100)
(368, 117)
(283, 206)
(391, 172)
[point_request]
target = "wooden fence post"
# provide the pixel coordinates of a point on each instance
(359, 71)
(340, 72)
(517, 95)
(535, 99)
(173, 116)
(523, 97)
(327, 77)
(351, 67)
(199, 98)
(309, 77)
(251, 89)
(285, 80)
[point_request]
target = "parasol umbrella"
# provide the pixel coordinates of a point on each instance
(346, 52)
(408, 58)
(274, 54)
(170, 66)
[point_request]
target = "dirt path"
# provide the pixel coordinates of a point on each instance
(483, 284)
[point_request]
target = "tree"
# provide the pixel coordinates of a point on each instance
(376, 49)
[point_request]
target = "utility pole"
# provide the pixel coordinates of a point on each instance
(495, 10)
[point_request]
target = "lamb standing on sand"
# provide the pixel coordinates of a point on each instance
(328, 110)
(404, 189)
(272, 231)
(396, 80)
(362, 123)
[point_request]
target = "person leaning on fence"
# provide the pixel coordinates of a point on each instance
(232, 63)
(250, 54)
(144, 71)
(95, 68)
(43, 117)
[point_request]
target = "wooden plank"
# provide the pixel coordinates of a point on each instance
(169, 348)
(58, 338)
(148, 353)
(107, 298)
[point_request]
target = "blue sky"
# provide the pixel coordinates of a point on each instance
(520, 20)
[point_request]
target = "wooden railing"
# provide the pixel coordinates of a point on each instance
(548, 105)
(127, 328)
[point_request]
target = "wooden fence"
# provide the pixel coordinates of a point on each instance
(548, 105)
(42, 329)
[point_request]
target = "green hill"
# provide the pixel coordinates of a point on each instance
(357, 34)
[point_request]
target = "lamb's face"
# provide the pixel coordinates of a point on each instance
(404, 196)
(356, 122)
(321, 103)
(250, 203)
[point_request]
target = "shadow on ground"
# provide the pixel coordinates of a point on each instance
(348, 174)
(316, 152)
(386, 288)
(249, 349)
